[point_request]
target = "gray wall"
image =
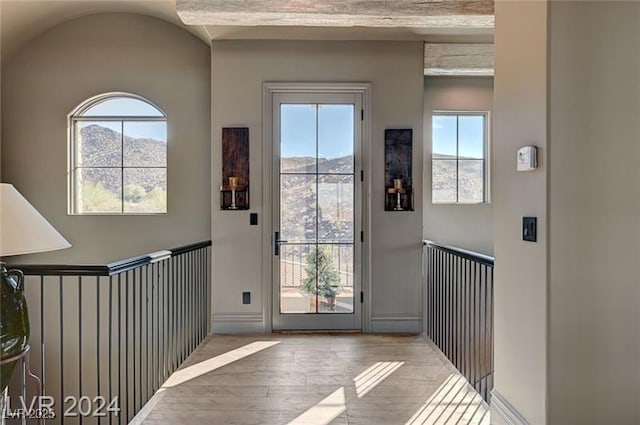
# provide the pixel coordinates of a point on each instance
(396, 71)
(594, 210)
(520, 294)
(465, 226)
(96, 54)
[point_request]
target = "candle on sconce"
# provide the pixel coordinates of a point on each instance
(397, 183)
(233, 182)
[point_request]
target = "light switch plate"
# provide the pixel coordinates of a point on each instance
(530, 229)
(527, 159)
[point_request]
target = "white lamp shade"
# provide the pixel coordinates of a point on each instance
(22, 229)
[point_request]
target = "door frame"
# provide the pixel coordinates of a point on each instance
(269, 90)
(317, 321)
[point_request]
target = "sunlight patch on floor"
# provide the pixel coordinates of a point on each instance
(335, 404)
(373, 376)
(325, 411)
(454, 402)
(183, 375)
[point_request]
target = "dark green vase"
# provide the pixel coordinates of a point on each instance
(14, 320)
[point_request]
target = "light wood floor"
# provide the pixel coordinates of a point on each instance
(315, 379)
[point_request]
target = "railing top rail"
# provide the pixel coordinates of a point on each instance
(191, 247)
(107, 269)
(62, 269)
(469, 255)
(128, 264)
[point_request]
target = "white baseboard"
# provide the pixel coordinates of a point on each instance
(503, 413)
(238, 323)
(396, 324)
(230, 323)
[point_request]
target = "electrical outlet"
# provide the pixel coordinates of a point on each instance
(246, 297)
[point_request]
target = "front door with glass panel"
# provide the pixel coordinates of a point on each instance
(316, 211)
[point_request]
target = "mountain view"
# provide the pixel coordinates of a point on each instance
(105, 187)
(331, 196)
(470, 184)
(141, 187)
(325, 165)
(317, 207)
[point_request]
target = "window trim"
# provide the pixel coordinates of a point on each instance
(486, 198)
(76, 116)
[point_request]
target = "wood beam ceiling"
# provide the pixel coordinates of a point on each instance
(459, 59)
(339, 13)
(439, 58)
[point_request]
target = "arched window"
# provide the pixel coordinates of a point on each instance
(117, 156)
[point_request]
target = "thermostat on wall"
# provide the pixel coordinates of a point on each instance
(527, 158)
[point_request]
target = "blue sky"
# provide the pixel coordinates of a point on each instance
(129, 107)
(123, 106)
(470, 129)
(335, 130)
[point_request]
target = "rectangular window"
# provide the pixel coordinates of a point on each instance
(459, 158)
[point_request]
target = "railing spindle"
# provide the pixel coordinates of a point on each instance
(80, 393)
(98, 369)
(42, 371)
(110, 321)
(120, 347)
(61, 294)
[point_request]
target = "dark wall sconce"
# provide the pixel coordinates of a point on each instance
(234, 192)
(398, 169)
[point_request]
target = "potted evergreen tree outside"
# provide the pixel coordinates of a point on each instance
(323, 277)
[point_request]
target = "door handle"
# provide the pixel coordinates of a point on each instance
(277, 242)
